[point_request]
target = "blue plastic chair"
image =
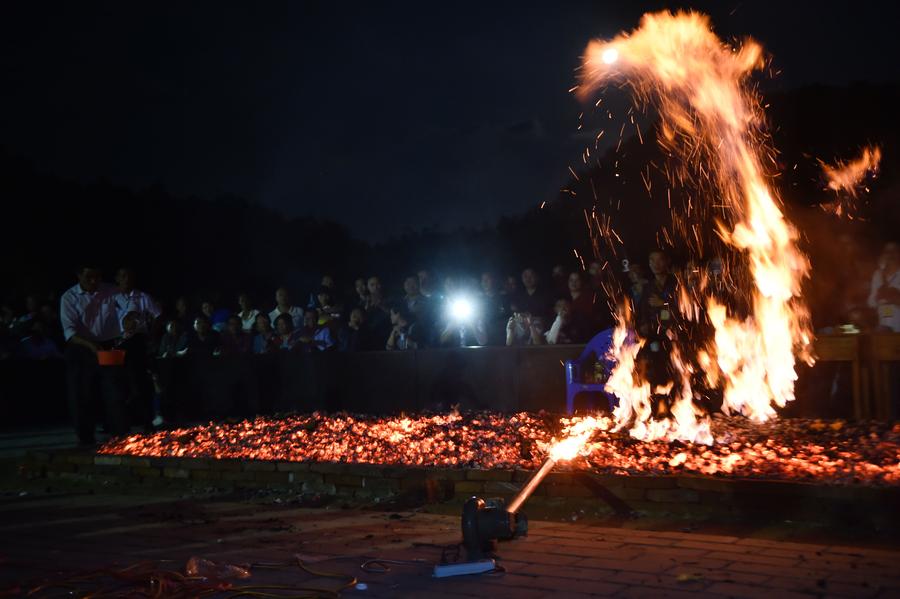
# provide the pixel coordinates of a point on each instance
(596, 349)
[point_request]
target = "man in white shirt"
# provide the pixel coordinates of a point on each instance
(90, 321)
(283, 306)
(130, 299)
(884, 295)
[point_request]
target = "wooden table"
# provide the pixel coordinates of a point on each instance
(849, 348)
(871, 357)
(884, 348)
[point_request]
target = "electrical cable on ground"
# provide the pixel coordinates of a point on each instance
(148, 579)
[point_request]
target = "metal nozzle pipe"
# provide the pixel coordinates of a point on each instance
(530, 486)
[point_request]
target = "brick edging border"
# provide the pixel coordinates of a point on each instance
(671, 493)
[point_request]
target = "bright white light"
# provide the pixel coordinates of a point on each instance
(610, 55)
(461, 309)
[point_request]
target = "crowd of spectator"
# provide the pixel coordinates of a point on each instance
(95, 318)
(565, 308)
(418, 314)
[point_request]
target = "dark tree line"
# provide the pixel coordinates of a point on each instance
(200, 246)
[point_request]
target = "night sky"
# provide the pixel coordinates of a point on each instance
(380, 117)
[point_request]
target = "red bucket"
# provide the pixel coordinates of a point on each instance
(112, 357)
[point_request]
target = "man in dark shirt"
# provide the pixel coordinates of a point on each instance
(174, 341)
(353, 337)
(415, 302)
(493, 310)
(204, 341)
(37, 345)
(234, 340)
(656, 315)
(657, 305)
(532, 299)
(135, 375)
(378, 316)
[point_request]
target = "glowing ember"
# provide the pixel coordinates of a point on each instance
(780, 449)
(712, 124)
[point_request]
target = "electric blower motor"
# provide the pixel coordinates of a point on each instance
(484, 522)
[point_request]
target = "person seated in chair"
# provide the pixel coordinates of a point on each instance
(205, 341)
(568, 327)
(404, 333)
(312, 337)
(234, 340)
(265, 341)
(174, 341)
(353, 336)
(37, 345)
(523, 328)
(284, 339)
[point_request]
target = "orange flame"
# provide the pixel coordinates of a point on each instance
(579, 431)
(712, 121)
(846, 177)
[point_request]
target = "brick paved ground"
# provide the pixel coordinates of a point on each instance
(43, 537)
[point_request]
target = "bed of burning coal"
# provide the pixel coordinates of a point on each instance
(834, 452)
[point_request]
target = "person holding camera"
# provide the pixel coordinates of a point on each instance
(524, 328)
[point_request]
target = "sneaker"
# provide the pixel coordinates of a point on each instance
(158, 420)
